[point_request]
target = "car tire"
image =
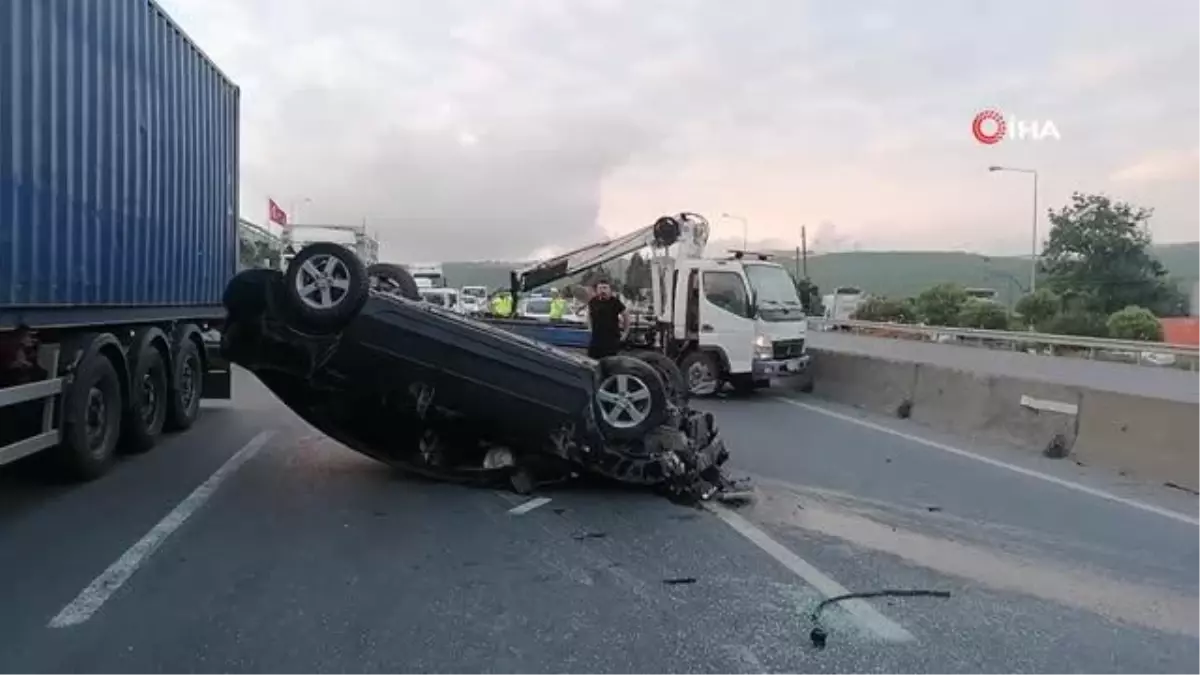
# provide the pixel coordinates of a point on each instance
(807, 387)
(325, 285)
(702, 373)
(396, 276)
(92, 415)
(149, 400)
(630, 400)
(669, 372)
(187, 387)
(246, 296)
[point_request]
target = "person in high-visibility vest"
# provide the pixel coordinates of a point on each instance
(558, 307)
(502, 304)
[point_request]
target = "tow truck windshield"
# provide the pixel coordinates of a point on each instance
(774, 292)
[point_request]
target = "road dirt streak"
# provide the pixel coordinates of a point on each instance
(871, 527)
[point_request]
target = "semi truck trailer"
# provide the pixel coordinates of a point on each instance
(118, 229)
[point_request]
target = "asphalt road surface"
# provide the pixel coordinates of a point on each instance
(253, 543)
(1172, 384)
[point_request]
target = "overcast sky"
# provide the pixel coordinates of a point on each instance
(470, 129)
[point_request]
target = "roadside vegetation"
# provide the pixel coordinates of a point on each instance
(1096, 277)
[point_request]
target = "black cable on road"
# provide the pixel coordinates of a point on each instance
(818, 634)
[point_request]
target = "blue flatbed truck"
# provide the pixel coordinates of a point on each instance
(118, 229)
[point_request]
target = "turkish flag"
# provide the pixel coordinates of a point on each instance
(276, 214)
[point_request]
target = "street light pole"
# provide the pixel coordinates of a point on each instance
(745, 228)
(1033, 256)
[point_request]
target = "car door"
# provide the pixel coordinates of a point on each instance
(726, 316)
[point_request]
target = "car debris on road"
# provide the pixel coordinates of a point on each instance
(355, 353)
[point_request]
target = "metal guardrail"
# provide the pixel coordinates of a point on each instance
(1155, 354)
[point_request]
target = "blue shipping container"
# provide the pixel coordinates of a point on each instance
(118, 163)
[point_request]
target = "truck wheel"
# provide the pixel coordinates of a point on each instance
(149, 396)
(807, 387)
(702, 373)
(744, 384)
(326, 286)
(630, 400)
(92, 412)
(187, 386)
(668, 371)
(393, 278)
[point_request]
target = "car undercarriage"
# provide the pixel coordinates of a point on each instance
(448, 398)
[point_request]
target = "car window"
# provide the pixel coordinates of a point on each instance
(538, 306)
(727, 291)
(435, 299)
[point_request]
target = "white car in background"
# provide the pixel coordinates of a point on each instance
(442, 297)
(474, 299)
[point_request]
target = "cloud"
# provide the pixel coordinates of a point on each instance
(1162, 167)
(499, 128)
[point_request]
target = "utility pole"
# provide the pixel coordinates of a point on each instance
(804, 248)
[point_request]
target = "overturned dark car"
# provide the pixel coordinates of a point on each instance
(354, 352)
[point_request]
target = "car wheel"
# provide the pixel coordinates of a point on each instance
(149, 393)
(702, 373)
(393, 278)
(326, 286)
(246, 295)
(669, 372)
(631, 398)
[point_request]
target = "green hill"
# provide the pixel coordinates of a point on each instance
(891, 273)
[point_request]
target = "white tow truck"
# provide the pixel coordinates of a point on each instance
(736, 319)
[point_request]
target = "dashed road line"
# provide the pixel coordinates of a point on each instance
(93, 597)
(529, 506)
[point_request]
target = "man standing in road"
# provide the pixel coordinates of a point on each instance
(607, 320)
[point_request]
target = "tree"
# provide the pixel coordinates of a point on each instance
(1078, 321)
(810, 297)
(637, 275)
(940, 305)
(595, 275)
(977, 313)
(1134, 323)
(884, 309)
(1038, 308)
(1099, 250)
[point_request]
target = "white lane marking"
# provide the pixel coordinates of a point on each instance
(861, 610)
(1070, 485)
(529, 505)
(90, 599)
(1049, 405)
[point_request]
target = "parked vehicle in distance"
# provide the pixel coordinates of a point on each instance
(427, 390)
(446, 298)
(473, 299)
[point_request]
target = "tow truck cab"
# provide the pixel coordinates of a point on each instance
(745, 316)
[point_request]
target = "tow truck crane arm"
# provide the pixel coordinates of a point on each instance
(688, 229)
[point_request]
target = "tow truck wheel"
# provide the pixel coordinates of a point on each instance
(394, 278)
(326, 286)
(702, 373)
(630, 400)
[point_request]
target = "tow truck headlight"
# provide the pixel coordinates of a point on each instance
(762, 347)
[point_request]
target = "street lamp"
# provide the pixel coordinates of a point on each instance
(745, 228)
(1033, 257)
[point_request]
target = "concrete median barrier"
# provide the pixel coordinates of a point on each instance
(1155, 439)
(877, 385)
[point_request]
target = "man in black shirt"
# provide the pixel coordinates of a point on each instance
(607, 320)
